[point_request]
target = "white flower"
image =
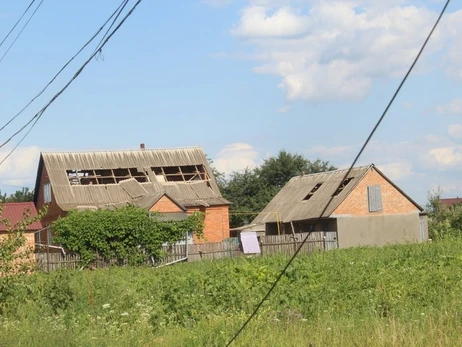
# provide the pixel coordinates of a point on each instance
(124, 314)
(105, 306)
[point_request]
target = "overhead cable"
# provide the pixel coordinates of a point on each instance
(273, 286)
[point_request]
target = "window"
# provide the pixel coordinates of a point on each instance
(47, 193)
(374, 196)
(342, 186)
(310, 194)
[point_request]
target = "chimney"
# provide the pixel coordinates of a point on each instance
(142, 147)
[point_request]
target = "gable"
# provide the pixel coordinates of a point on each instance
(166, 205)
(374, 191)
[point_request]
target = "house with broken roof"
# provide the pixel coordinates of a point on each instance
(364, 208)
(172, 182)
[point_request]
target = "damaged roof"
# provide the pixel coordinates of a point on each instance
(71, 193)
(305, 197)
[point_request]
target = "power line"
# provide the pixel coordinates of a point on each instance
(346, 175)
(17, 22)
(39, 114)
(20, 32)
(123, 3)
(121, 7)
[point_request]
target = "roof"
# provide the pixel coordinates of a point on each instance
(171, 216)
(15, 213)
(199, 189)
(290, 204)
(450, 201)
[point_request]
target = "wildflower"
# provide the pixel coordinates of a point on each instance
(124, 314)
(105, 306)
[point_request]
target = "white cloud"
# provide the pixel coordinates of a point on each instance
(455, 130)
(20, 169)
(326, 152)
(396, 171)
(335, 49)
(256, 21)
(446, 157)
(452, 107)
(236, 157)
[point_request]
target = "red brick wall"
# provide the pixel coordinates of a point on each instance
(164, 204)
(54, 211)
(393, 202)
(216, 227)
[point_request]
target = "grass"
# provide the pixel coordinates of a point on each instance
(407, 295)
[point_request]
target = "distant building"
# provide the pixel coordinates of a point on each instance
(366, 208)
(15, 213)
(450, 201)
(173, 182)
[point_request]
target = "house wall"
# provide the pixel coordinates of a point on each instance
(29, 244)
(164, 204)
(216, 223)
(393, 201)
(378, 230)
(398, 222)
(54, 211)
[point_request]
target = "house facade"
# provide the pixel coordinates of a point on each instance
(173, 182)
(364, 208)
(13, 215)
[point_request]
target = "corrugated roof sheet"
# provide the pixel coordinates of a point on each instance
(194, 193)
(14, 212)
(133, 188)
(289, 204)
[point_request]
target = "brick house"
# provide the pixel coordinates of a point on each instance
(448, 202)
(172, 182)
(367, 209)
(15, 213)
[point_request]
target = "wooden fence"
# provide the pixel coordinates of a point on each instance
(230, 248)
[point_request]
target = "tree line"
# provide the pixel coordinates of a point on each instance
(252, 189)
(23, 195)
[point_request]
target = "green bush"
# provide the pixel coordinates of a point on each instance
(124, 233)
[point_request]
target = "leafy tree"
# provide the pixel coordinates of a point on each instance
(23, 195)
(252, 190)
(443, 221)
(14, 256)
(124, 233)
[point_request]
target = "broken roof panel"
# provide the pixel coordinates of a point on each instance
(69, 196)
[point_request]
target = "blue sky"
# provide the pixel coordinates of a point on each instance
(243, 79)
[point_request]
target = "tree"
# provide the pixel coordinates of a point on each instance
(23, 195)
(252, 190)
(14, 256)
(277, 171)
(443, 221)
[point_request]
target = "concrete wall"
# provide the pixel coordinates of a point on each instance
(378, 230)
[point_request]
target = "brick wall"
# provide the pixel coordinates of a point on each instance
(164, 204)
(393, 202)
(54, 211)
(29, 244)
(216, 227)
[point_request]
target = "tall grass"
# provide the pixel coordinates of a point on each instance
(407, 295)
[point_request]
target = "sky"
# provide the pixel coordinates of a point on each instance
(243, 79)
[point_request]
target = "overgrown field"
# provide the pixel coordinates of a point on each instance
(409, 295)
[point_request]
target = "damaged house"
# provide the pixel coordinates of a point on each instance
(366, 208)
(173, 182)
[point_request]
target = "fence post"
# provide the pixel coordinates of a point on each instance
(48, 259)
